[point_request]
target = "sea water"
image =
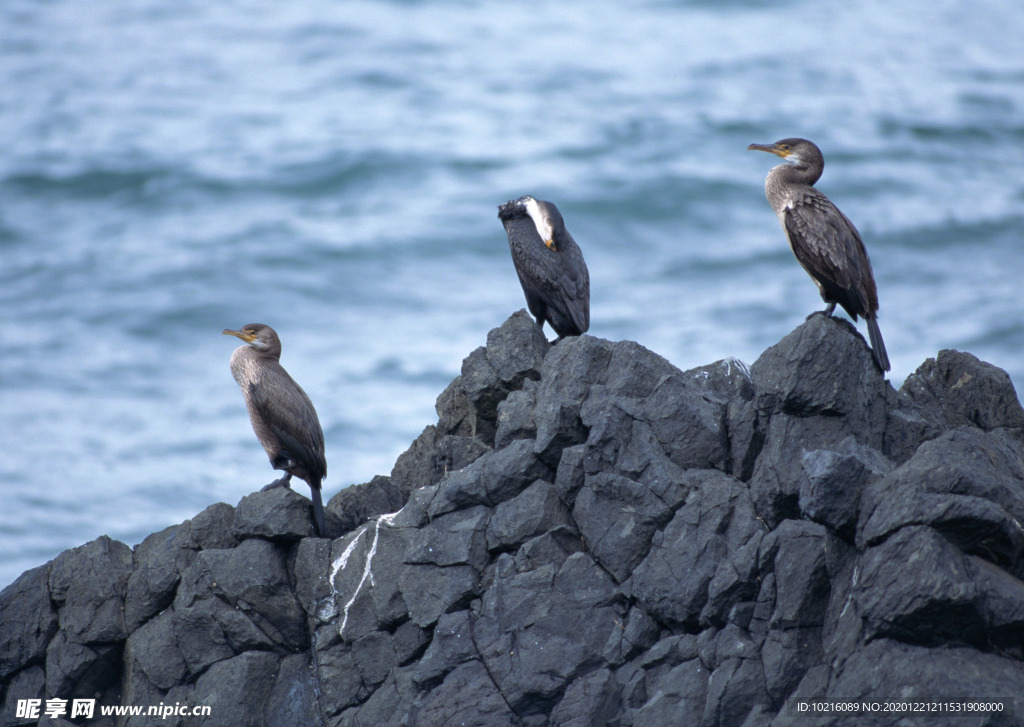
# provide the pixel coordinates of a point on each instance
(171, 168)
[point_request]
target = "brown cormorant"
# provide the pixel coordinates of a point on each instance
(282, 415)
(823, 239)
(549, 264)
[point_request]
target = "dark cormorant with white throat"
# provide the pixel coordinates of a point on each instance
(549, 264)
(823, 239)
(282, 415)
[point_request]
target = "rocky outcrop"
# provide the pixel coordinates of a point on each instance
(587, 536)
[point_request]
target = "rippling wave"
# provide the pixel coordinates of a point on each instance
(335, 171)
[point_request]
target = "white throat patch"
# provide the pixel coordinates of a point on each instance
(540, 220)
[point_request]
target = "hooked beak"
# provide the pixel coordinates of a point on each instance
(247, 337)
(770, 148)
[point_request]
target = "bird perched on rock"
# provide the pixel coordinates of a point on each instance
(823, 239)
(282, 415)
(549, 264)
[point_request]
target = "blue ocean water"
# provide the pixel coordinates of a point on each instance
(172, 168)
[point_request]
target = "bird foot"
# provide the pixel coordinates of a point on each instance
(285, 481)
(827, 312)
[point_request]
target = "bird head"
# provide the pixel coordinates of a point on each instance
(792, 151)
(257, 335)
(546, 218)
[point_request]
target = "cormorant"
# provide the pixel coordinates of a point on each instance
(823, 239)
(282, 415)
(549, 264)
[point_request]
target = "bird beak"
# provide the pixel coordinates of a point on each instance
(770, 148)
(239, 334)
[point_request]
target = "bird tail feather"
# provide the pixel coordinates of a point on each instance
(877, 344)
(318, 512)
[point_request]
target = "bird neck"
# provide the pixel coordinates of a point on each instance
(790, 174)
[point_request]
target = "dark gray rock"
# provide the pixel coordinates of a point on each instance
(571, 473)
(238, 686)
(637, 633)
(497, 476)
(373, 657)
(158, 562)
(205, 632)
(617, 518)
(367, 567)
(415, 467)
(431, 457)
(514, 353)
(451, 646)
(551, 548)
(795, 553)
(154, 648)
(621, 441)
(540, 629)
(390, 706)
(410, 642)
(689, 426)
(467, 696)
(672, 581)
(209, 529)
(292, 700)
(87, 585)
(354, 505)
(833, 481)
(967, 484)
(914, 674)
(587, 536)
(515, 415)
(26, 684)
(569, 370)
(533, 512)
(81, 670)
(312, 559)
(454, 453)
(27, 621)
(456, 538)
(736, 688)
(787, 655)
(431, 590)
(918, 588)
(588, 701)
(341, 686)
(277, 514)
(824, 368)
(779, 470)
(678, 697)
(251, 589)
(965, 391)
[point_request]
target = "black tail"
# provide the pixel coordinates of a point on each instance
(877, 344)
(318, 512)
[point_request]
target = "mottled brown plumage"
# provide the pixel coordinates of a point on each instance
(282, 415)
(823, 239)
(549, 264)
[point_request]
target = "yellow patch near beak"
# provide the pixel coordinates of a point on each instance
(239, 334)
(770, 148)
(551, 245)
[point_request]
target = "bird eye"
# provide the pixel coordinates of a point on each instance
(784, 147)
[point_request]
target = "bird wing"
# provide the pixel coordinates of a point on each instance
(830, 249)
(290, 416)
(559, 277)
(574, 284)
